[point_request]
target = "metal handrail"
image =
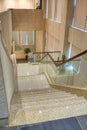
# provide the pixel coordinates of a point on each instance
(72, 58)
(57, 63)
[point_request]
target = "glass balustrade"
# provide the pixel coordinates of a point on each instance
(38, 56)
(71, 73)
(55, 56)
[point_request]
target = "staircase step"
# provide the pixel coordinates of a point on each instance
(50, 103)
(39, 91)
(29, 94)
(43, 114)
(48, 96)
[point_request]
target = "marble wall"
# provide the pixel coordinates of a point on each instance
(8, 73)
(3, 100)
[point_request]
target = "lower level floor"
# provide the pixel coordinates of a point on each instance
(73, 123)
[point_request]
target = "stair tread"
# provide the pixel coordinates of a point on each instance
(34, 115)
(51, 103)
(43, 97)
(40, 94)
(35, 91)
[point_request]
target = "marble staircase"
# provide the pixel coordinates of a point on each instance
(34, 106)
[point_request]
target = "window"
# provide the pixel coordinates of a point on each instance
(23, 37)
(46, 8)
(56, 8)
(80, 17)
(46, 38)
(73, 21)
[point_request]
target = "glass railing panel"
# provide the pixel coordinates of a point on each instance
(68, 71)
(72, 72)
(72, 66)
(44, 64)
(48, 67)
(83, 72)
(55, 56)
(76, 64)
(65, 74)
(38, 56)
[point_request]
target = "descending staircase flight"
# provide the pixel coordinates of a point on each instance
(35, 106)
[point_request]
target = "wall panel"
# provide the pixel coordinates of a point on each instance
(8, 73)
(25, 20)
(16, 4)
(78, 38)
(38, 39)
(51, 9)
(53, 28)
(53, 40)
(81, 14)
(6, 28)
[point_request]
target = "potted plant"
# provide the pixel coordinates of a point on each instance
(26, 51)
(38, 6)
(63, 57)
(62, 67)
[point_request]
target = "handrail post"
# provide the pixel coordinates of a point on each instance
(34, 58)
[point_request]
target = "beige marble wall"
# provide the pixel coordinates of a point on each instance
(24, 19)
(8, 73)
(2, 6)
(81, 14)
(53, 30)
(28, 4)
(56, 28)
(78, 38)
(39, 41)
(6, 28)
(3, 100)
(16, 4)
